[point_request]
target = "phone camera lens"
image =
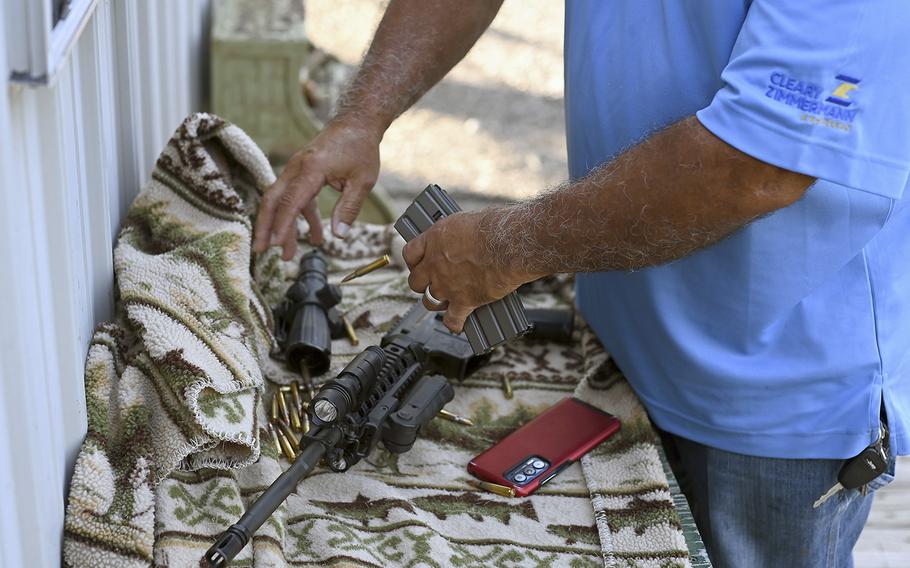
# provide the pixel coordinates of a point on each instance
(539, 464)
(530, 471)
(520, 478)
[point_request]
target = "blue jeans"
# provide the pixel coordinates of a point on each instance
(757, 512)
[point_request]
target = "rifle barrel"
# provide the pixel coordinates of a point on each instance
(236, 537)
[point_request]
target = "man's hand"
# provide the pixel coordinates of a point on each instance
(452, 258)
(345, 155)
(417, 42)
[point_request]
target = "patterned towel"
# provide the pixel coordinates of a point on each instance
(174, 390)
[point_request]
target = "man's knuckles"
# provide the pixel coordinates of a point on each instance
(288, 198)
(418, 281)
(271, 197)
(434, 307)
(348, 209)
(455, 317)
(413, 252)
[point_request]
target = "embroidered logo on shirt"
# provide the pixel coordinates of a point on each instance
(832, 112)
(841, 95)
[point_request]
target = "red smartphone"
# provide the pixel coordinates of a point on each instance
(536, 453)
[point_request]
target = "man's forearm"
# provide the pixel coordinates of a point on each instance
(416, 44)
(680, 190)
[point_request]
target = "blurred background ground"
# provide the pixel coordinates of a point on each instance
(494, 126)
(494, 129)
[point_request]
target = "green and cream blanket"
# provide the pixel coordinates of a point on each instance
(176, 448)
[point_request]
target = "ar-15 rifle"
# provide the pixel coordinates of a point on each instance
(383, 395)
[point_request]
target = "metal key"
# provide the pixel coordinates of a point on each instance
(828, 494)
(860, 470)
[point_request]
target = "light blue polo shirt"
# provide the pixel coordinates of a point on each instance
(783, 339)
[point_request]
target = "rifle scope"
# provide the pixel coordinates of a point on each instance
(309, 335)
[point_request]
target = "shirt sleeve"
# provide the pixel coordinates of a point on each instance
(821, 88)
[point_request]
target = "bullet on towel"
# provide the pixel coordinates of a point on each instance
(282, 407)
(274, 411)
(507, 386)
(366, 269)
(286, 446)
(295, 395)
(493, 488)
(284, 428)
(455, 418)
(305, 418)
(349, 329)
(298, 413)
(274, 435)
(296, 424)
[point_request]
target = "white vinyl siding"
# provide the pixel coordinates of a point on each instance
(73, 155)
